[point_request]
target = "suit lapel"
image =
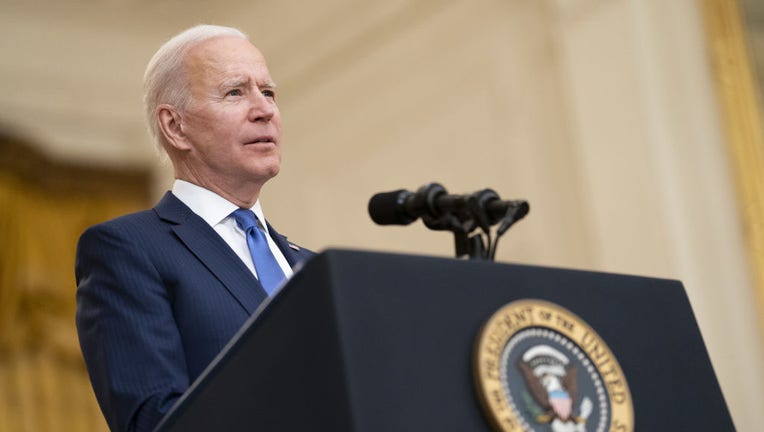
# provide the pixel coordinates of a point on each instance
(212, 251)
(286, 248)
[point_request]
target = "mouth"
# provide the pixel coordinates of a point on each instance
(265, 139)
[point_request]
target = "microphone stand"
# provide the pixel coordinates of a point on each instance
(463, 221)
(464, 243)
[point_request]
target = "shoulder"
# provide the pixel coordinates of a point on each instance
(143, 223)
(113, 240)
(148, 230)
(123, 226)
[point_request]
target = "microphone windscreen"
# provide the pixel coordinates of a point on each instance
(385, 208)
(522, 209)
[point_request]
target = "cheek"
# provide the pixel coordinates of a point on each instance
(213, 132)
(206, 119)
(276, 121)
(196, 126)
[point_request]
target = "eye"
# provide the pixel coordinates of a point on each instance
(234, 92)
(269, 93)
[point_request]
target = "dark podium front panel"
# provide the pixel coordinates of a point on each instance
(361, 341)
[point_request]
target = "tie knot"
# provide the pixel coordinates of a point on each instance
(245, 218)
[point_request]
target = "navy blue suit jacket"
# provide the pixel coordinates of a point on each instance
(159, 294)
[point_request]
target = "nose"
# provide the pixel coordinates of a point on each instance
(262, 108)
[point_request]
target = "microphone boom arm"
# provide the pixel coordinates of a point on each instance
(460, 214)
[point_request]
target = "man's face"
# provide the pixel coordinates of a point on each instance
(232, 124)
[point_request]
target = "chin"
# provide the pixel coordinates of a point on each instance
(269, 172)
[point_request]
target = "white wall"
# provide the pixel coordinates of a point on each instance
(649, 136)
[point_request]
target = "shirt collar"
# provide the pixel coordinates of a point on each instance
(208, 205)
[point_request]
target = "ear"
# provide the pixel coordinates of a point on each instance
(171, 126)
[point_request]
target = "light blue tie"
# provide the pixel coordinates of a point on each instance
(268, 270)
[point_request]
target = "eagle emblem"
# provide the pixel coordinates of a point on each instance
(552, 386)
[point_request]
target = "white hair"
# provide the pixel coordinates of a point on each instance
(164, 81)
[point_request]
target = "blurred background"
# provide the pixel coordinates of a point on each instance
(633, 127)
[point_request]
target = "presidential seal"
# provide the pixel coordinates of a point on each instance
(539, 367)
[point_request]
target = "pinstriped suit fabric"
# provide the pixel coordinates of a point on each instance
(159, 295)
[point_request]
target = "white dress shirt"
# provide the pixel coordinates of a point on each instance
(216, 211)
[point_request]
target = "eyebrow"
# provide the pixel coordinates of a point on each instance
(243, 82)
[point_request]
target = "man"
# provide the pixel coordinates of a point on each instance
(162, 291)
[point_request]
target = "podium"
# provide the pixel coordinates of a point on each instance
(362, 341)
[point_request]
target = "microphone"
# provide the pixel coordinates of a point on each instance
(402, 207)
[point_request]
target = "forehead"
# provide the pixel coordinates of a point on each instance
(223, 57)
